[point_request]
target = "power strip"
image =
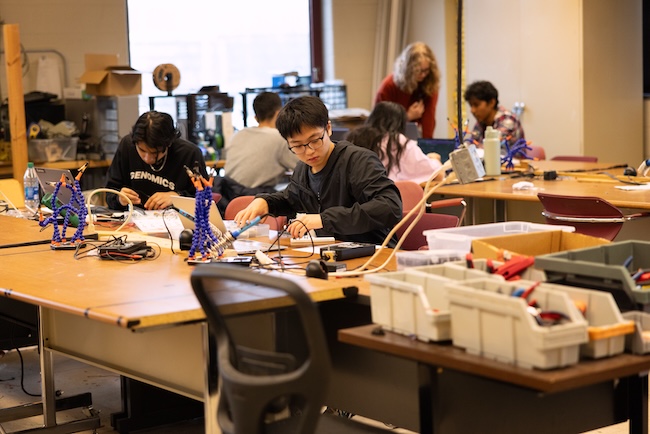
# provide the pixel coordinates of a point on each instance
(307, 241)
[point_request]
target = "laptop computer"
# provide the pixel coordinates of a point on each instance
(187, 206)
(443, 147)
(47, 178)
(412, 131)
(241, 246)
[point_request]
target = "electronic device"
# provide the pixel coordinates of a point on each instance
(308, 241)
(316, 269)
(234, 260)
(442, 147)
(122, 250)
(47, 178)
(412, 131)
(348, 250)
(186, 207)
(467, 164)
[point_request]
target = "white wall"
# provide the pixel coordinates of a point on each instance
(71, 27)
(544, 78)
(354, 27)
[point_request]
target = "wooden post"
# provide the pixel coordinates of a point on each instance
(16, 100)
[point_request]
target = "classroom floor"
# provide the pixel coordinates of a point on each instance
(73, 377)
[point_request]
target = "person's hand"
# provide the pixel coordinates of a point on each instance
(135, 198)
(415, 111)
(160, 200)
(307, 222)
(434, 156)
(254, 209)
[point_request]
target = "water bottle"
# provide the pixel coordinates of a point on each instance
(30, 181)
(492, 152)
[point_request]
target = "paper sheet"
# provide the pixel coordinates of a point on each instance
(151, 222)
(633, 187)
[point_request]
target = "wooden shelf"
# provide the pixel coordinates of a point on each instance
(6, 168)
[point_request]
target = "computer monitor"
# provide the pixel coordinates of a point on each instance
(412, 131)
(443, 147)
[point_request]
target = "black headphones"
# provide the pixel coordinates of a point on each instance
(185, 239)
(316, 269)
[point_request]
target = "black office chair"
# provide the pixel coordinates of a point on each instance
(262, 390)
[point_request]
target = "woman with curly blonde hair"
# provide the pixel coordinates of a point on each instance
(414, 84)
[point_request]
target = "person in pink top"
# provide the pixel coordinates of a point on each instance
(414, 84)
(383, 133)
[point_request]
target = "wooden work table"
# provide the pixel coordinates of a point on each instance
(568, 183)
(131, 318)
(132, 295)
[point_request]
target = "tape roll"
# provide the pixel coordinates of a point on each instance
(34, 131)
(166, 77)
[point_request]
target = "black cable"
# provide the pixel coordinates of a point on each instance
(22, 362)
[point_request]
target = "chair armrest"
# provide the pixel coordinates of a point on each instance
(450, 203)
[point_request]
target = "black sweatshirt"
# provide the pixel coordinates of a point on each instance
(128, 170)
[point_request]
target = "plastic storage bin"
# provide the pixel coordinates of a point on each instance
(639, 341)
(420, 258)
(606, 326)
(460, 238)
(607, 268)
(488, 321)
(48, 150)
(414, 302)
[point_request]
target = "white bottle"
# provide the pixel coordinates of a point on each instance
(30, 183)
(492, 152)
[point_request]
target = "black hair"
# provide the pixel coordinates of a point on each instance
(304, 111)
(266, 105)
(367, 137)
(483, 91)
(156, 129)
(390, 119)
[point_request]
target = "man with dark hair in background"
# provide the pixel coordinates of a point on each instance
(483, 99)
(257, 158)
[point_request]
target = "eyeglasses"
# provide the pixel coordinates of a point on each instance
(419, 70)
(313, 145)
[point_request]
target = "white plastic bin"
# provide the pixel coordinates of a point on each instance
(460, 238)
(420, 258)
(488, 321)
(639, 341)
(414, 302)
(606, 326)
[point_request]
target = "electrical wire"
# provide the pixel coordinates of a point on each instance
(420, 208)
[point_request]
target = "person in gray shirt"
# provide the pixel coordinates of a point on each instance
(257, 158)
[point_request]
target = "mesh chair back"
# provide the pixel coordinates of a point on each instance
(258, 384)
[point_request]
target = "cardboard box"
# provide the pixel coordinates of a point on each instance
(104, 76)
(532, 244)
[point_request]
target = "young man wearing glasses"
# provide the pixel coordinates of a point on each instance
(342, 189)
(149, 164)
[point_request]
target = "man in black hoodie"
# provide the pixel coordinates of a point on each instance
(341, 189)
(149, 164)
